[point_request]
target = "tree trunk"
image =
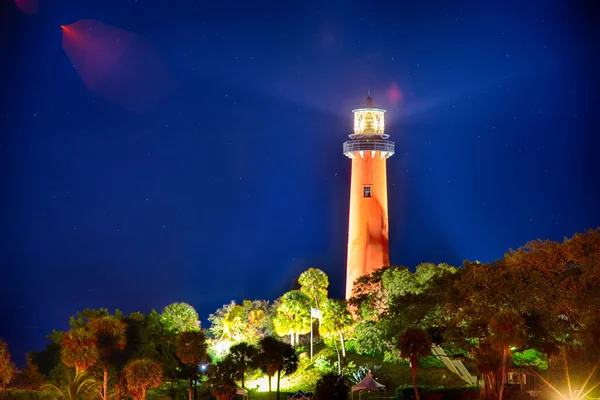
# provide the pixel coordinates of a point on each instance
(503, 381)
(413, 370)
(297, 338)
(270, 391)
(343, 345)
(292, 338)
(105, 383)
(143, 394)
(243, 376)
(191, 393)
(278, 380)
(339, 360)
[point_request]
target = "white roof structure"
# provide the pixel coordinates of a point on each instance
(368, 384)
(241, 392)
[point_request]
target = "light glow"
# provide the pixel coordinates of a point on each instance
(369, 121)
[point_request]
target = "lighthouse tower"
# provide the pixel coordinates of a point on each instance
(368, 148)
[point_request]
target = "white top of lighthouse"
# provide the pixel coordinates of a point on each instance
(369, 121)
(369, 133)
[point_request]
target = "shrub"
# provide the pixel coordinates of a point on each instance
(430, 362)
(332, 386)
(350, 346)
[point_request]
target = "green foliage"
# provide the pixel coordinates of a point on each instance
(180, 317)
(430, 362)
(350, 346)
(293, 315)
(531, 357)
(314, 283)
(248, 322)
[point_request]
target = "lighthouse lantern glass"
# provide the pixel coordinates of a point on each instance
(369, 122)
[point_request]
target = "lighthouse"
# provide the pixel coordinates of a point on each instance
(369, 149)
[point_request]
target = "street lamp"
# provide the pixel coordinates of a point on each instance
(444, 378)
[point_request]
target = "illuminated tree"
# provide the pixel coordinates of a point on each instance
(180, 317)
(30, 377)
(314, 284)
(413, 345)
(78, 349)
(236, 323)
(244, 357)
(7, 368)
(336, 320)
(191, 350)
(79, 386)
(141, 375)
(110, 336)
(293, 315)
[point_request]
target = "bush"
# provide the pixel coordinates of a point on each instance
(22, 394)
(350, 346)
(407, 392)
(332, 387)
(431, 362)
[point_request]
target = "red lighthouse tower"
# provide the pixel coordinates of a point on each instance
(368, 148)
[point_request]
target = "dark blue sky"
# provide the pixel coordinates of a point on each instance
(235, 182)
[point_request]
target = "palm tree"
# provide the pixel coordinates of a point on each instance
(191, 349)
(488, 360)
(508, 330)
(221, 380)
(293, 315)
(141, 375)
(277, 357)
(79, 385)
(7, 368)
(314, 283)
(180, 317)
(78, 349)
(244, 357)
(336, 320)
(289, 362)
(110, 336)
(414, 344)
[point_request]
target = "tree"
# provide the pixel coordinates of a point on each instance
(332, 386)
(508, 330)
(141, 375)
(314, 284)
(7, 368)
(244, 358)
(80, 385)
(293, 315)
(414, 344)
(221, 380)
(191, 349)
(180, 317)
(277, 357)
(246, 322)
(78, 349)
(30, 377)
(336, 320)
(110, 336)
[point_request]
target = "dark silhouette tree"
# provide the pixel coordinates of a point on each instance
(244, 357)
(414, 344)
(332, 386)
(110, 336)
(191, 349)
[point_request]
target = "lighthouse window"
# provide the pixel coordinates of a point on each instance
(367, 191)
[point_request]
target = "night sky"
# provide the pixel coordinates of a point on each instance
(234, 182)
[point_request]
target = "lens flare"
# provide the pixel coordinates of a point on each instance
(27, 6)
(116, 64)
